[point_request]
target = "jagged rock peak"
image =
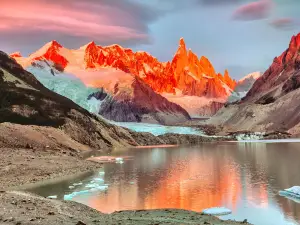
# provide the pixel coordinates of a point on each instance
(15, 54)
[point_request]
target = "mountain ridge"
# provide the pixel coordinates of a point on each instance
(185, 73)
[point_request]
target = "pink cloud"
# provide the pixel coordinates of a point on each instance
(285, 23)
(95, 21)
(253, 11)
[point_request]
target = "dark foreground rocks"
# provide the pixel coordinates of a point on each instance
(24, 208)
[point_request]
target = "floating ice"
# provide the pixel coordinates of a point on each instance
(52, 197)
(249, 137)
(119, 159)
(293, 192)
(98, 179)
(75, 193)
(71, 187)
(77, 184)
(216, 211)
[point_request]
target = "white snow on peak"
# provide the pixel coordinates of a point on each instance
(254, 75)
(42, 50)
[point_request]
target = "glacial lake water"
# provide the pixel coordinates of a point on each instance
(244, 177)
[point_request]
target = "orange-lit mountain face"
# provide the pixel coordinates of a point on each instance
(283, 73)
(272, 103)
(185, 75)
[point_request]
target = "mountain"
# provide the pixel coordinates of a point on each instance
(26, 105)
(126, 98)
(243, 86)
(185, 75)
(272, 104)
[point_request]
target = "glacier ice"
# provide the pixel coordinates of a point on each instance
(69, 86)
(293, 192)
(157, 129)
(249, 137)
(217, 211)
(73, 88)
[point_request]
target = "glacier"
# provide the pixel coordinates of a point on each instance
(73, 88)
(157, 129)
(68, 86)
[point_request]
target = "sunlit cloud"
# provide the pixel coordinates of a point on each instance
(97, 20)
(253, 11)
(285, 23)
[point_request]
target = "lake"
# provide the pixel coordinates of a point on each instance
(244, 177)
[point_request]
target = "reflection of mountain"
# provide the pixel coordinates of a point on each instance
(244, 177)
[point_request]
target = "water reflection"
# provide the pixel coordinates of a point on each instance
(244, 177)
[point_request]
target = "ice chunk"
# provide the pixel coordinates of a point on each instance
(77, 184)
(216, 211)
(97, 179)
(119, 159)
(71, 187)
(293, 192)
(52, 197)
(249, 137)
(75, 193)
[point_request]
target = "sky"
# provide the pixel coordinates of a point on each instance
(242, 36)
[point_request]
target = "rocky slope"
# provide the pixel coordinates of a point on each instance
(126, 98)
(272, 102)
(24, 100)
(184, 75)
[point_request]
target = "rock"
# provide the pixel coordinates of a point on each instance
(51, 213)
(28, 146)
(80, 223)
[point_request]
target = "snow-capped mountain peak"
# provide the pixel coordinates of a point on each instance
(186, 72)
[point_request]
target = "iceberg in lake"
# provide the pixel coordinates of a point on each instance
(249, 137)
(293, 192)
(95, 185)
(217, 211)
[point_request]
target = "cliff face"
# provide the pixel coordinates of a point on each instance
(273, 101)
(281, 77)
(135, 101)
(185, 73)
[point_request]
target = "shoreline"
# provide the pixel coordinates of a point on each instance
(23, 168)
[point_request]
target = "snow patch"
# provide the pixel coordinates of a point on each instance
(192, 104)
(254, 75)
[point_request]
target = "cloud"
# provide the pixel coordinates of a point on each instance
(253, 11)
(218, 2)
(285, 23)
(105, 21)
